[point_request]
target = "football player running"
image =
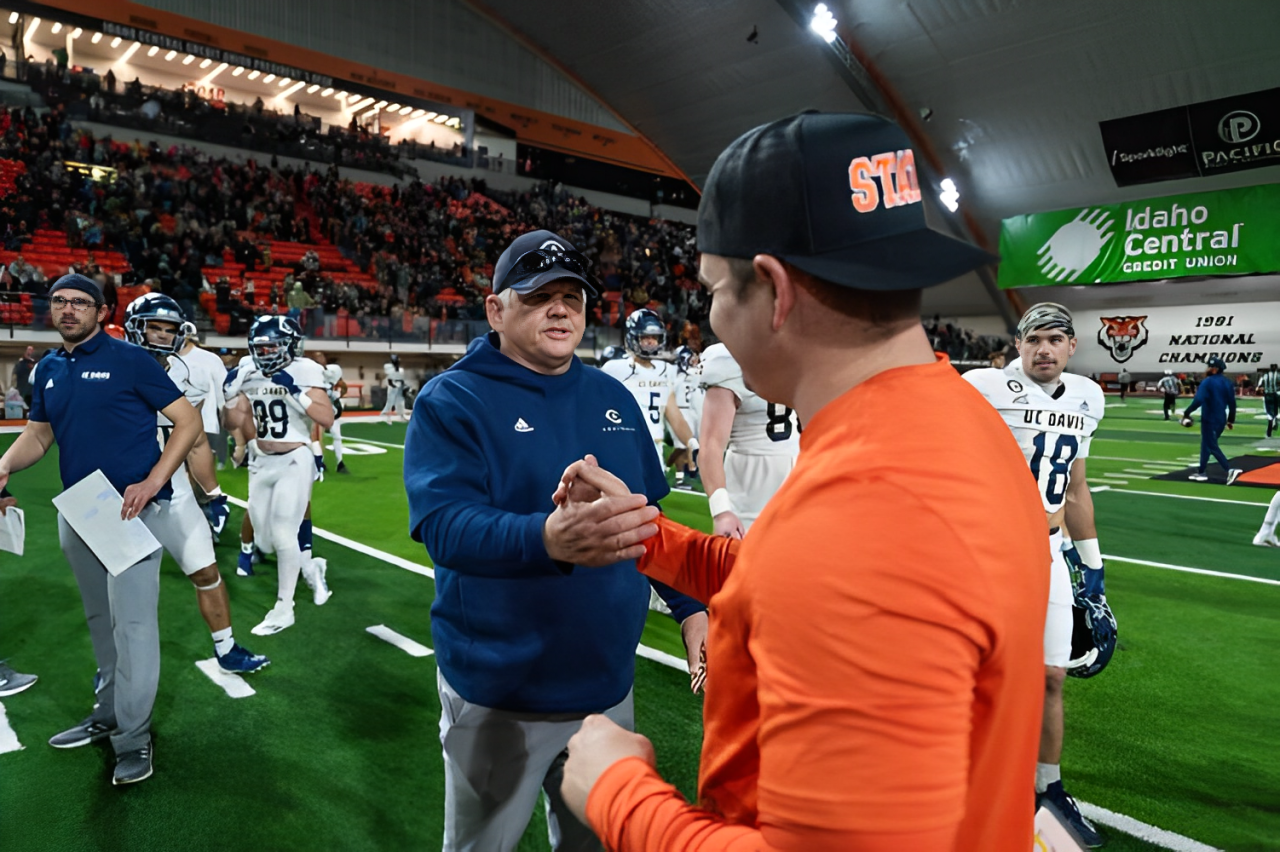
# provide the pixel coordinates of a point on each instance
(283, 395)
(395, 391)
(1053, 415)
(337, 389)
(651, 380)
(156, 323)
(749, 444)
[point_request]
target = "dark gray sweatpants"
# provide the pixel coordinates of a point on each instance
(125, 630)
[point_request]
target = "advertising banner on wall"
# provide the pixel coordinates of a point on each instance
(1208, 138)
(1231, 232)
(1179, 338)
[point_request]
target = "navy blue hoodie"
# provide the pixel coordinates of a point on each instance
(1217, 395)
(484, 452)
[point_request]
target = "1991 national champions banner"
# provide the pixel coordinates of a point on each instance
(1179, 338)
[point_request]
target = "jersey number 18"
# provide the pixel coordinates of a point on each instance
(1058, 462)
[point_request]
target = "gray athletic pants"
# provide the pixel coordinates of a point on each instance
(125, 630)
(496, 762)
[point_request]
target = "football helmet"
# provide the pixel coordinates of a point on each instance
(685, 358)
(1093, 636)
(611, 353)
(645, 323)
(156, 307)
(274, 343)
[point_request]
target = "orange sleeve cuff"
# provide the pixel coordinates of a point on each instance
(689, 561)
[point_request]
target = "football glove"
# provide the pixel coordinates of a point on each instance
(1086, 580)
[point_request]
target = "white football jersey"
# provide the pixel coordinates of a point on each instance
(1053, 430)
(395, 375)
(205, 376)
(651, 386)
(760, 427)
(333, 375)
(689, 396)
(276, 415)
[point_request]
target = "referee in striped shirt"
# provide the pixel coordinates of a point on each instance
(1170, 387)
(1269, 387)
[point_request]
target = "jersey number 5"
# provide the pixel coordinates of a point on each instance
(655, 413)
(1058, 472)
(272, 419)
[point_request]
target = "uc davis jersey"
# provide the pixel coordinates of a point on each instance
(1052, 430)
(689, 395)
(650, 386)
(332, 375)
(760, 427)
(276, 414)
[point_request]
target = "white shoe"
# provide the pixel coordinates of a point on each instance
(1266, 540)
(1233, 474)
(280, 617)
(313, 574)
(1198, 477)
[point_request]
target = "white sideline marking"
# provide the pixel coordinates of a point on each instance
(669, 660)
(231, 684)
(1184, 568)
(1142, 831)
(11, 430)
(1136, 472)
(371, 441)
(390, 558)
(1097, 488)
(8, 739)
(1190, 497)
(404, 643)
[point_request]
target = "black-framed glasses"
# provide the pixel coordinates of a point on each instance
(78, 304)
(536, 262)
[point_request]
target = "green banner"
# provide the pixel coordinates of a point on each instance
(1232, 232)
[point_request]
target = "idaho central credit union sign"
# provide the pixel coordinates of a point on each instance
(1179, 338)
(1231, 232)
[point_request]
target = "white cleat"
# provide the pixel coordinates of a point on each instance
(279, 618)
(1266, 540)
(1233, 475)
(313, 574)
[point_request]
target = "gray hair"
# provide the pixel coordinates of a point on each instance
(1046, 315)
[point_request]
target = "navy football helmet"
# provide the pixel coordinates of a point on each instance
(611, 353)
(685, 358)
(645, 323)
(156, 307)
(274, 343)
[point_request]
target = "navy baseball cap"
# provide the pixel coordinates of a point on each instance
(76, 281)
(834, 194)
(537, 258)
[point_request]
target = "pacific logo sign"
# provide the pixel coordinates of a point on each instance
(1122, 336)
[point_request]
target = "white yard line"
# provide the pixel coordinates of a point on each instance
(231, 684)
(1166, 566)
(8, 739)
(404, 643)
(1142, 831)
(1190, 497)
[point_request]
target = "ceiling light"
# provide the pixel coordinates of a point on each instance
(77, 32)
(13, 17)
(115, 42)
(313, 88)
(153, 50)
(133, 48)
(284, 81)
(168, 57)
(289, 91)
(57, 27)
(950, 196)
(454, 122)
(341, 96)
(239, 70)
(327, 92)
(419, 113)
(432, 114)
(190, 58)
(364, 103)
(215, 72)
(97, 37)
(441, 119)
(379, 104)
(823, 23)
(255, 74)
(353, 99)
(205, 63)
(268, 78)
(393, 107)
(406, 110)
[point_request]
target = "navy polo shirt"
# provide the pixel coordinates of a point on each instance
(101, 401)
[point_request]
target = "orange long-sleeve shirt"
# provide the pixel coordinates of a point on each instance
(875, 652)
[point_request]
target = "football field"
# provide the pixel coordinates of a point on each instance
(1174, 746)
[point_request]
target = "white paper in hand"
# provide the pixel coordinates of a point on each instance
(13, 530)
(92, 508)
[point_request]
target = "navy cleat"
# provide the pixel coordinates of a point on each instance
(216, 512)
(342, 467)
(1063, 804)
(239, 660)
(244, 565)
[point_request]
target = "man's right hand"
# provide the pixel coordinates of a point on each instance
(599, 532)
(728, 525)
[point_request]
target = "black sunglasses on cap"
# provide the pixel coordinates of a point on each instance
(539, 261)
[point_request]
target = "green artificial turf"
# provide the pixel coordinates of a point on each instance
(339, 747)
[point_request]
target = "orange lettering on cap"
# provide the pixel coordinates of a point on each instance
(866, 197)
(885, 165)
(906, 180)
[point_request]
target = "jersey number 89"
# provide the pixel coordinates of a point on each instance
(1058, 461)
(272, 418)
(778, 426)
